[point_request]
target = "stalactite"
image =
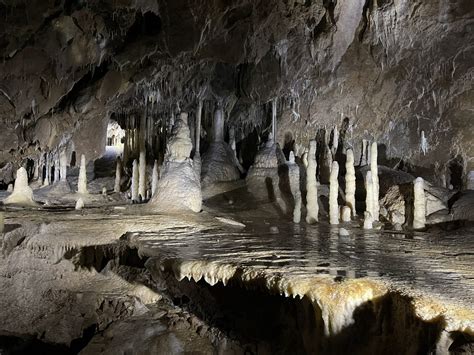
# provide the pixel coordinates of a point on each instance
(350, 181)
(363, 155)
(333, 194)
(274, 118)
(312, 207)
(198, 126)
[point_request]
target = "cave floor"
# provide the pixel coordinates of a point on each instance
(343, 266)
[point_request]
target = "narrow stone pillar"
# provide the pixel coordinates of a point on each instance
(419, 202)
(135, 174)
(82, 181)
(142, 175)
(333, 194)
(63, 165)
(154, 179)
(375, 180)
(369, 199)
(312, 207)
(350, 182)
(118, 175)
(294, 177)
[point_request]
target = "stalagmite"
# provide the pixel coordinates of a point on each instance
(142, 175)
(312, 207)
(219, 163)
(294, 177)
(369, 199)
(46, 180)
(118, 175)
(179, 186)
(375, 180)
(419, 202)
(79, 204)
(22, 194)
(333, 194)
(350, 182)
(82, 182)
(134, 186)
(154, 178)
(2, 221)
(63, 165)
(346, 213)
(198, 127)
(56, 171)
(368, 221)
(274, 118)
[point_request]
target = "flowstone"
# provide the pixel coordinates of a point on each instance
(179, 187)
(22, 194)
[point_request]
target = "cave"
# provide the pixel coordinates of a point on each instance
(237, 177)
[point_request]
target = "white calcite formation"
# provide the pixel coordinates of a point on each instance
(375, 180)
(350, 182)
(22, 194)
(79, 204)
(263, 176)
(118, 175)
(219, 163)
(63, 165)
(369, 200)
(155, 176)
(368, 221)
(363, 156)
(294, 178)
(142, 175)
(82, 181)
(419, 202)
(56, 171)
(346, 214)
(46, 178)
(179, 187)
(333, 194)
(135, 182)
(312, 207)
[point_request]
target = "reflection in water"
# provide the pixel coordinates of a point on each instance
(410, 260)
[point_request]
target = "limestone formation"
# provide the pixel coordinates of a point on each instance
(63, 165)
(369, 200)
(350, 182)
(179, 187)
(154, 178)
(333, 194)
(294, 178)
(375, 181)
(346, 213)
(22, 194)
(219, 163)
(419, 204)
(312, 207)
(79, 204)
(142, 175)
(82, 181)
(118, 175)
(135, 181)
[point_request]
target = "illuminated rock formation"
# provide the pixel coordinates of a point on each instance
(312, 207)
(22, 194)
(333, 194)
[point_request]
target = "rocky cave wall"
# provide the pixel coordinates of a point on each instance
(393, 68)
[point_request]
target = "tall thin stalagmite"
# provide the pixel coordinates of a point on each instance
(350, 182)
(154, 178)
(118, 175)
(134, 186)
(369, 200)
(312, 208)
(419, 204)
(82, 181)
(375, 180)
(294, 177)
(333, 194)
